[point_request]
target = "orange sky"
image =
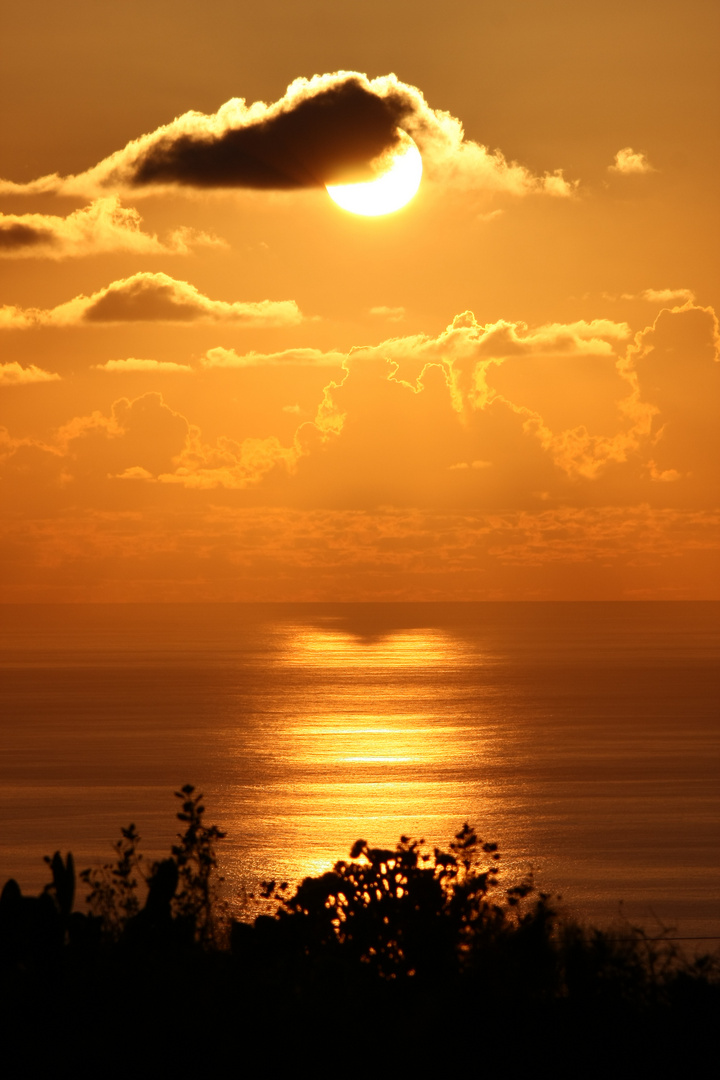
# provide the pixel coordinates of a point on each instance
(217, 385)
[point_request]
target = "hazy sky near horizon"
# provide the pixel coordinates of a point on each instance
(215, 384)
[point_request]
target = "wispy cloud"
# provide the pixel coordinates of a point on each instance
(146, 297)
(325, 129)
(103, 226)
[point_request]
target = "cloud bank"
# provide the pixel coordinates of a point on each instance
(329, 128)
(589, 460)
(272, 554)
(476, 416)
(147, 297)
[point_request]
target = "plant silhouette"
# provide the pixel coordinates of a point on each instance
(113, 896)
(406, 913)
(184, 887)
(416, 955)
(197, 901)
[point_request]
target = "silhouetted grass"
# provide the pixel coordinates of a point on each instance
(396, 960)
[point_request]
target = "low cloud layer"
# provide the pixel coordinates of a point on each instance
(147, 297)
(103, 226)
(325, 129)
(280, 554)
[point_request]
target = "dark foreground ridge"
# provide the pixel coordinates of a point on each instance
(394, 963)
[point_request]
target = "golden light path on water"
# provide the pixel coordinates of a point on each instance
(367, 748)
(582, 738)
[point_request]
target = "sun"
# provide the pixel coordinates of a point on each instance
(399, 175)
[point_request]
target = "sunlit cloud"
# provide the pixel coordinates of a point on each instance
(466, 338)
(327, 129)
(133, 363)
(471, 465)
(460, 370)
(103, 226)
(228, 358)
(467, 349)
(655, 296)
(392, 314)
(143, 433)
(676, 363)
(14, 374)
(666, 296)
(629, 161)
(491, 215)
(228, 463)
(135, 472)
(664, 476)
(147, 297)
(144, 439)
(456, 432)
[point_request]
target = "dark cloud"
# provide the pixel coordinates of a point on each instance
(14, 236)
(331, 128)
(329, 136)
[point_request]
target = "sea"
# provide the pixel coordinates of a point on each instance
(583, 738)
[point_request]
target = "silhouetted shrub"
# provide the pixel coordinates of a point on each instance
(113, 896)
(406, 913)
(419, 957)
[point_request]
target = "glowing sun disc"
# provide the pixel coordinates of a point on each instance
(395, 186)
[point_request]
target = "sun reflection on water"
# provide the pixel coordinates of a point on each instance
(358, 739)
(337, 648)
(386, 671)
(582, 738)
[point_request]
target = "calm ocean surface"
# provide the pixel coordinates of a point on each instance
(583, 737)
